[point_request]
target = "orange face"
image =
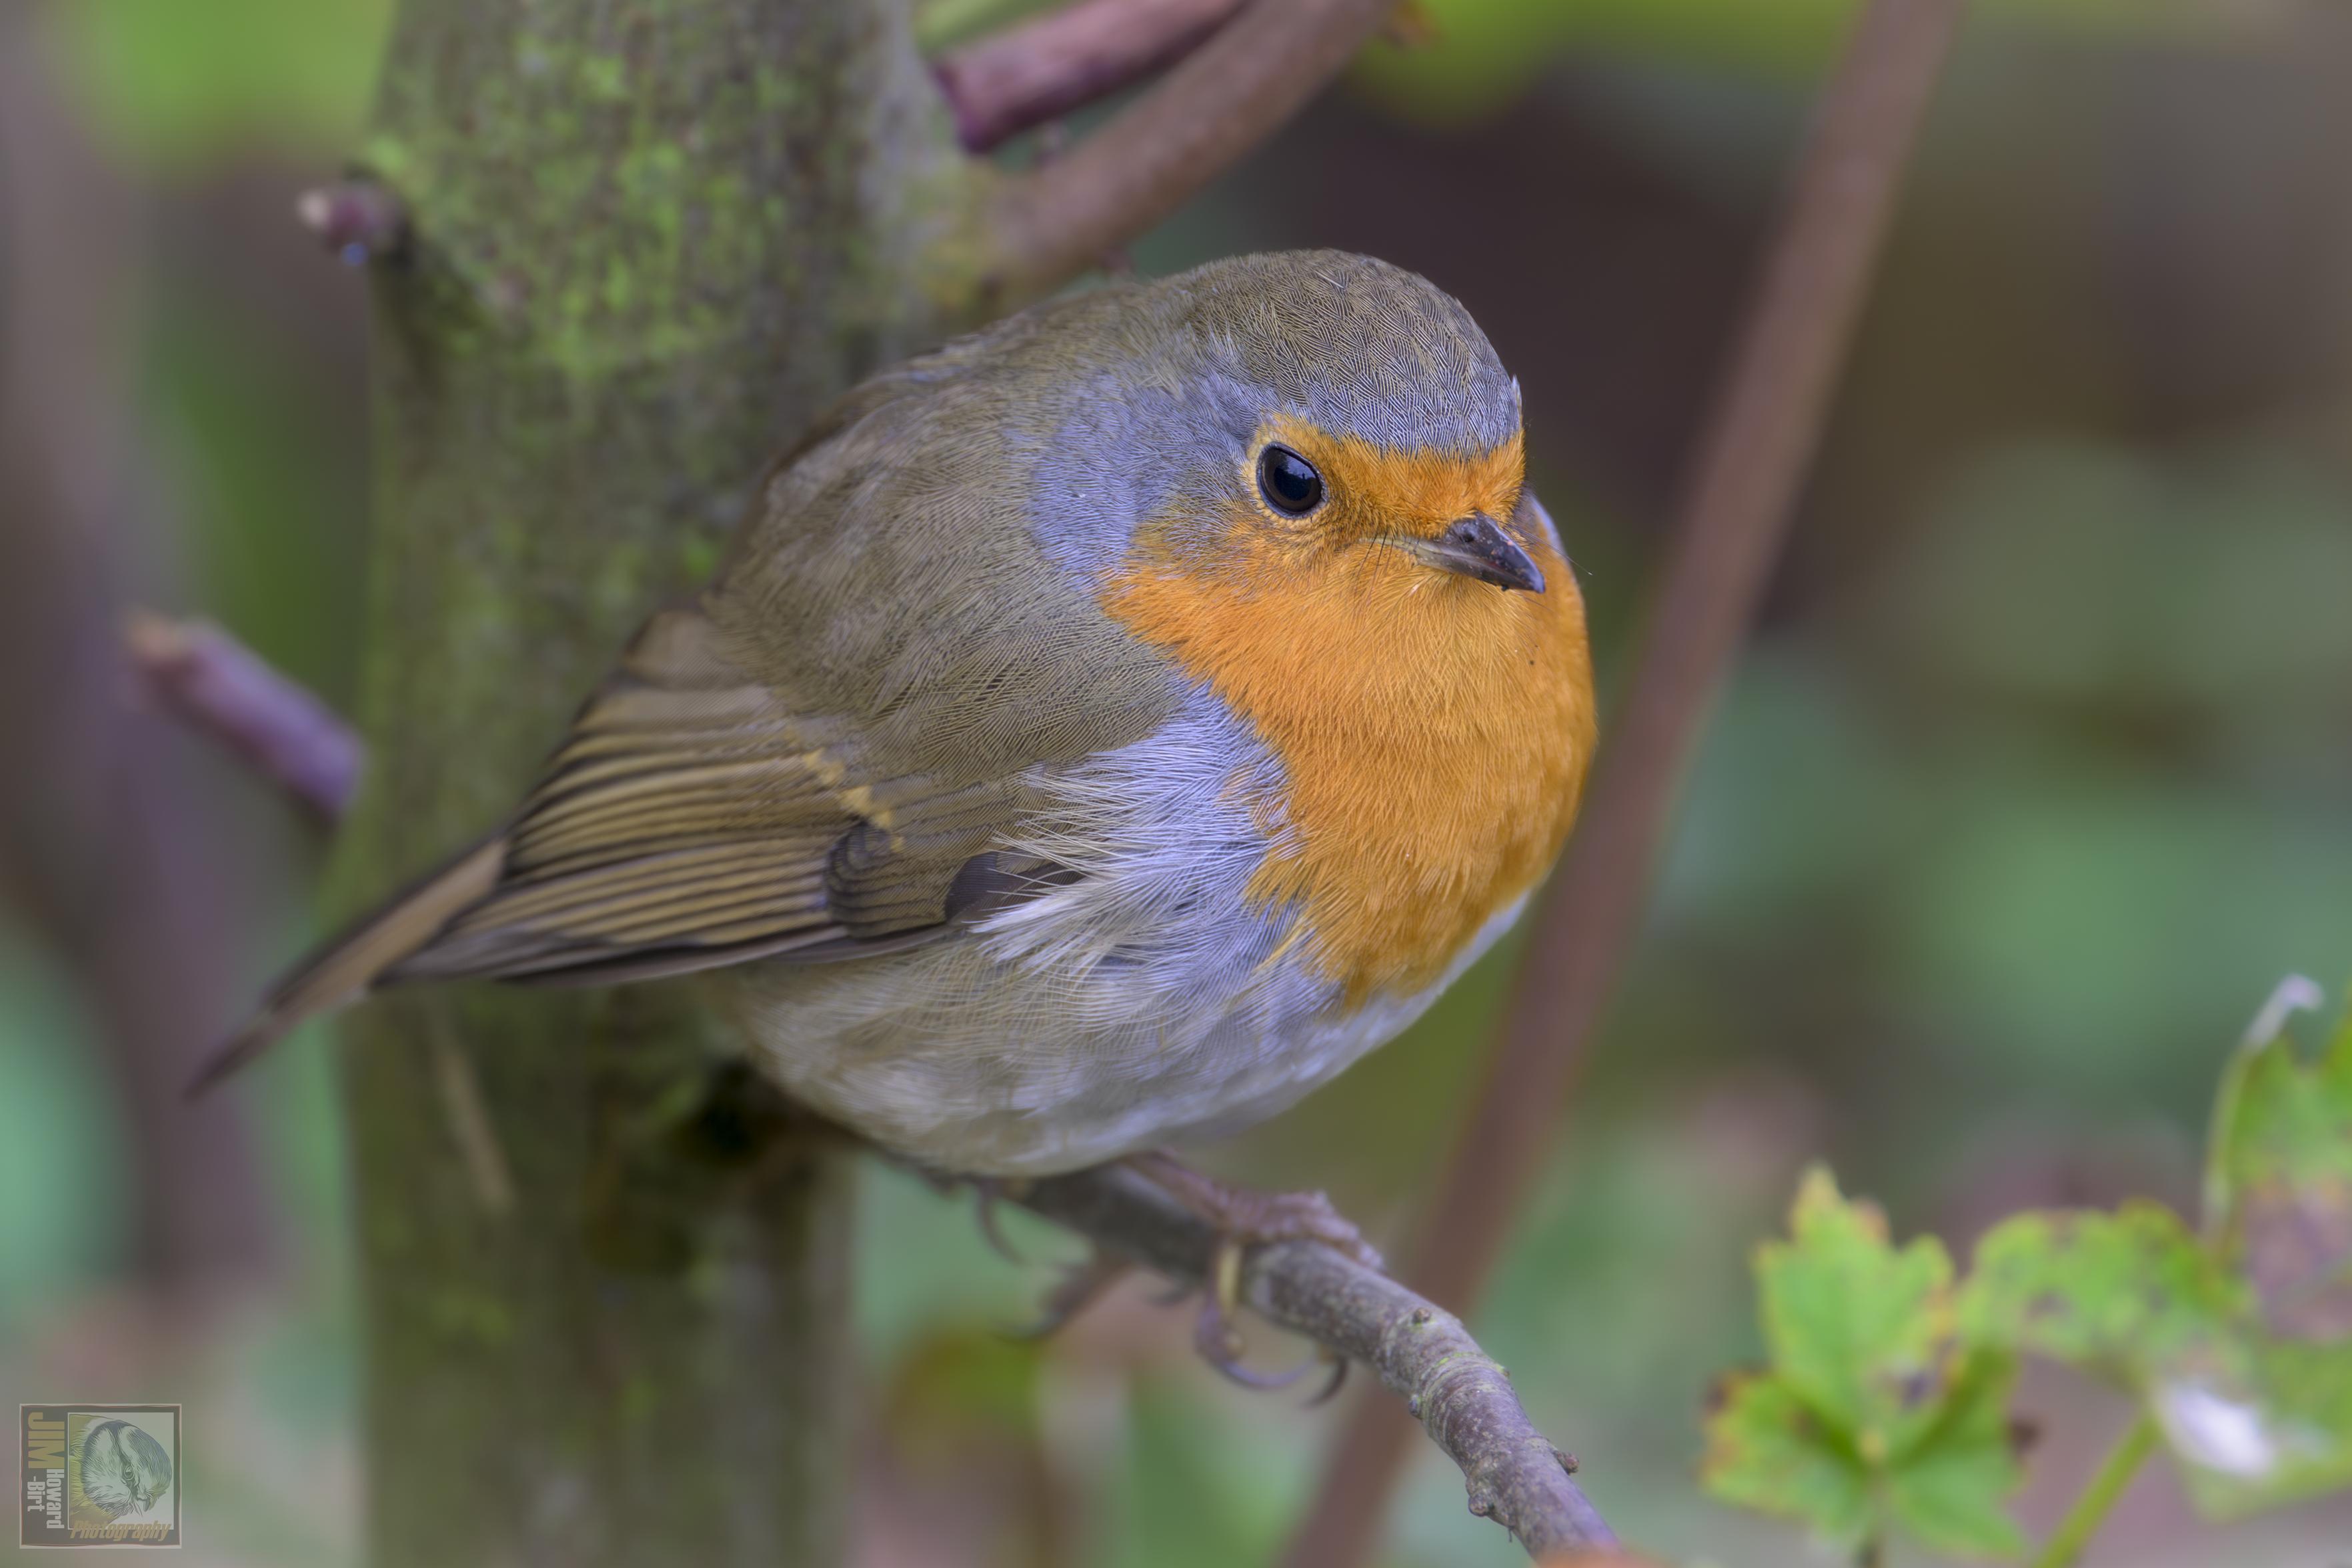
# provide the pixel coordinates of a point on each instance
(1434, 728)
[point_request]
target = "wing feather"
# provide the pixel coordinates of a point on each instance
(692, 819)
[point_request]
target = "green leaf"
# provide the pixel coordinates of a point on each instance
(2110, 1292)
(1948, 1489)
(2279, 1178)
(1856, 1327)
(2239, 1340)
(1875, 1413)
(1766, 1449)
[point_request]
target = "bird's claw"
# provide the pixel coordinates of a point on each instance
(1246, 1218)
(1220, 1343)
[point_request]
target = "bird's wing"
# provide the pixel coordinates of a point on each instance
(692, 819)
(817, 757)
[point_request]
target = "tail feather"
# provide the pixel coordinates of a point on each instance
(345, 969)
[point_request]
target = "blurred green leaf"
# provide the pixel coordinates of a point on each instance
(2240, 1340)
(1874, 1413)
(2279, 1179)
(1949, 1490)
(1484, 52)
(1766, 1450)
(2116, 1293)
(180, 84)
(1854, 1325)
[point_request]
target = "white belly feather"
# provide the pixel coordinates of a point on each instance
(1143, 1003)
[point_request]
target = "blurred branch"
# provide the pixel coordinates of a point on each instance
(1012, 81)
(219, 687)
(359, 220)
(110, 854)
(1462, 1399)
(1758, 443)
(1055, 221)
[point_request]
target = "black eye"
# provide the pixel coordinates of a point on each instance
(1288, 482)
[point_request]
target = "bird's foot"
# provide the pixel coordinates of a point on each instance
(1249, 1217)
(1245, 1218)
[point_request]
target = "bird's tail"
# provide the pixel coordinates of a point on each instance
(346, 968)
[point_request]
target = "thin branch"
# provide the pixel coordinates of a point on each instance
(1012, 82)
(1463, 1400)
(1053, 222)
(215, 685)
(1756, 446)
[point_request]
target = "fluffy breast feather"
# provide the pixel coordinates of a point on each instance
(1433, 734)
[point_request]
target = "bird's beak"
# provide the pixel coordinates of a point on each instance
(1477, 547)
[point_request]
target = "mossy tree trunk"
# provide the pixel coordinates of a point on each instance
(604, 1309)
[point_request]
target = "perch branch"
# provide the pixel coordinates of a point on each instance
(1021, 78)
(1762, 434)
(1462, 1399)
(1048, 224)
(215, 685)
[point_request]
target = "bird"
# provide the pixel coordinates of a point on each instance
(1101, 731)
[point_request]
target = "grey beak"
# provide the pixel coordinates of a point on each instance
(1477, 547)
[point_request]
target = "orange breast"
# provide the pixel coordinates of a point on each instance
(1433, 730)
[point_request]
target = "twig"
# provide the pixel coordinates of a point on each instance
(1462, 1399)
(1757, 445)
(215, 685)
(1040, 71)
(359, 220)
(1053, 222)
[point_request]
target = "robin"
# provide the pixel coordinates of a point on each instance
(1103, 731)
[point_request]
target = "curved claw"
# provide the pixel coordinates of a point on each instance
(988, 1193)
(1221, 1347)
(1330, 1390)
(1220, 1343)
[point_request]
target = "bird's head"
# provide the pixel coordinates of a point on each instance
(1317, 509)
(1301, 418)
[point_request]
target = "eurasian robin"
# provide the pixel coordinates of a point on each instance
(1102, 731)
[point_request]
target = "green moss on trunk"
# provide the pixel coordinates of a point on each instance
(605, 1312)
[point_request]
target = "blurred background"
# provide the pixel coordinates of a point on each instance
(2030, 786)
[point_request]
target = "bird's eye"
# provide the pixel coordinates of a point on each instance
(1288, 482)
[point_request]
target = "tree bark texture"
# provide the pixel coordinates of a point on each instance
(604, 1299)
